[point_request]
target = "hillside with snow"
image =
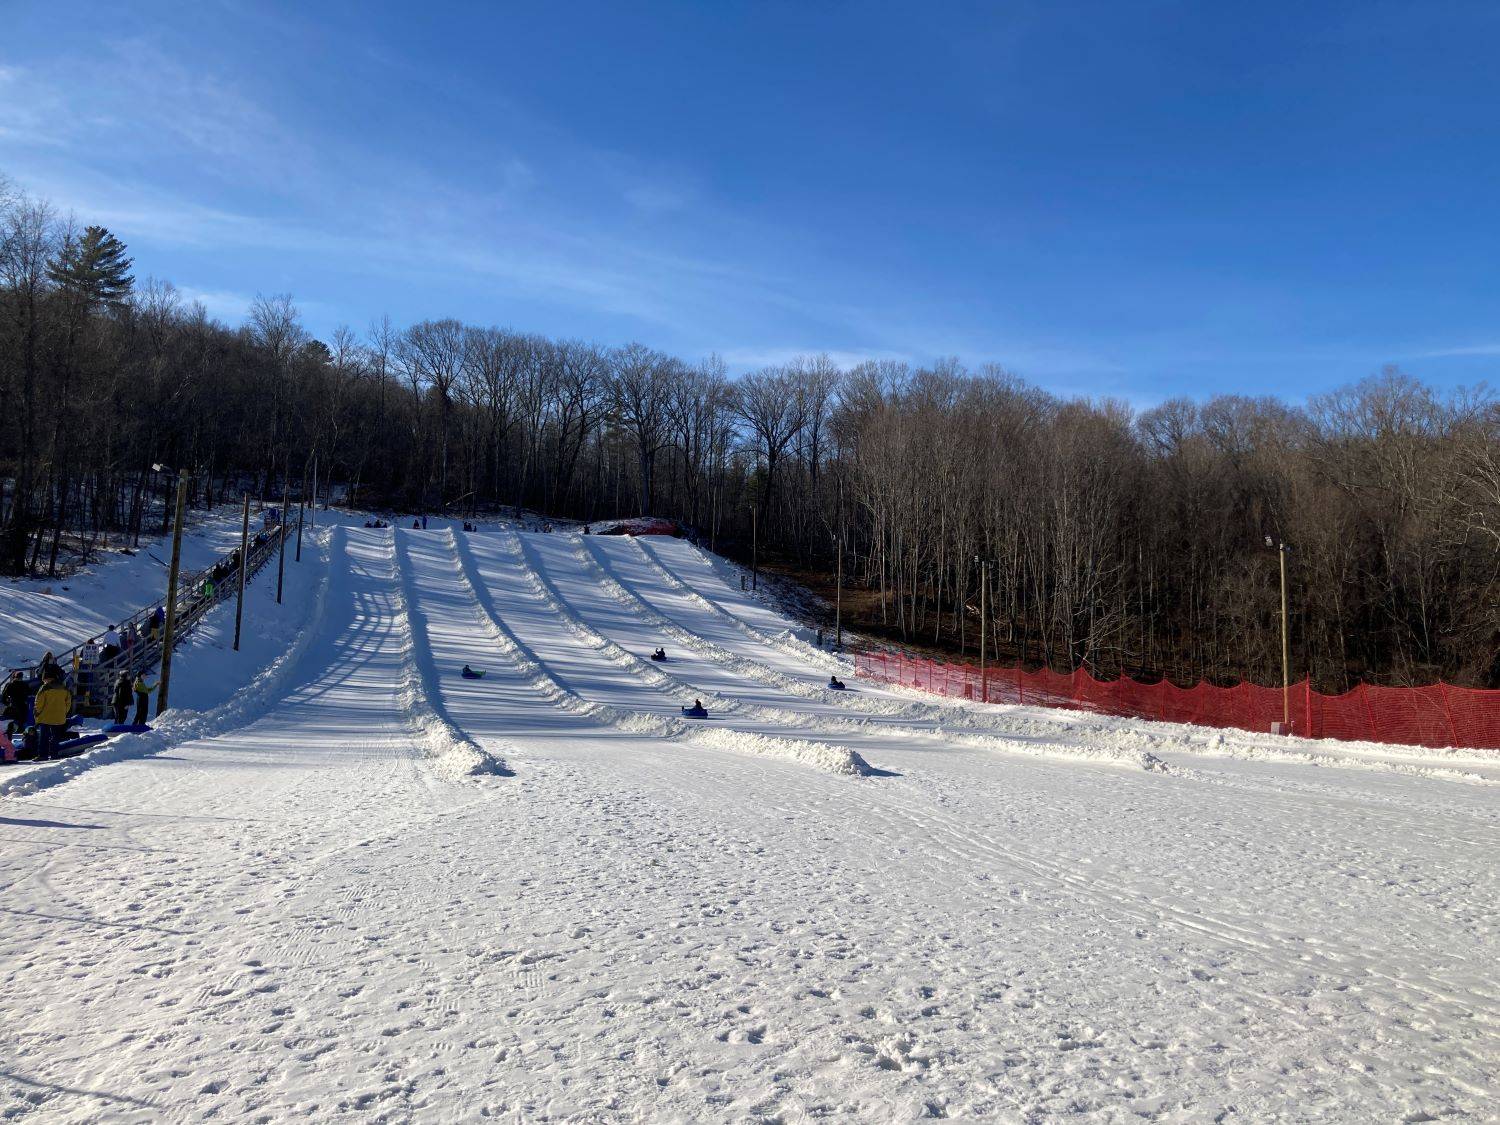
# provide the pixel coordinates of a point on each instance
(343, 882)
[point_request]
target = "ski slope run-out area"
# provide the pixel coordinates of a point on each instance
(342, 882)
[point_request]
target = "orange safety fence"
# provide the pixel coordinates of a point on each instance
(1435, 715)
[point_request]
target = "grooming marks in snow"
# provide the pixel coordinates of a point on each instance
(316, 906)
(565, 668)
(875, 715)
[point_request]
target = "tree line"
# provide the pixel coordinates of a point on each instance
(1116, 540)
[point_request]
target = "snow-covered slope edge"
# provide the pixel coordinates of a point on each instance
(1062, 726)
(451, 749)
(182, 725)
(873, 723)
(820, 755)
(1124, 750)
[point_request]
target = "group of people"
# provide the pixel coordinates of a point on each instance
(376, 523)
(43, 708)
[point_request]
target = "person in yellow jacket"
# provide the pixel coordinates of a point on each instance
(53, 703)
(142, 699)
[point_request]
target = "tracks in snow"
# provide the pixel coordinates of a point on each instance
(552, 687)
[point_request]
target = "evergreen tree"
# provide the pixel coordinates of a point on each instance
(93, 268)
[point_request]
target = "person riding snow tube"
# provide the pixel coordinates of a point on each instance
(696, 711)
(659, 655)
(469, 673)
(835, 684)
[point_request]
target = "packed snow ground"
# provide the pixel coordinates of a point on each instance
(344, 883)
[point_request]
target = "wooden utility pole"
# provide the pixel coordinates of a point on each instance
(239, 605)
(301, 508)
(170, 630)
(754, 550)
(314, 504)
(1286, 651)
(838, 597)
(286, 511)
(984, 582)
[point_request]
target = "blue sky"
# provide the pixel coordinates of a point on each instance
(1126, 199)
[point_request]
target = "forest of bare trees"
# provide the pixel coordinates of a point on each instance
(1117, 540)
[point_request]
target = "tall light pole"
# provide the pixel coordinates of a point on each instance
(286, 511)
(754, 550)
(984, 582)
(1286, 647)
(170, 629)
(838, 597)
(239, 604)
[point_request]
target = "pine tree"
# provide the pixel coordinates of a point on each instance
(93, 268)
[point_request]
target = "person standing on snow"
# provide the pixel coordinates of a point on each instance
(121, 697)
(13, 699)
(53, 703)
(142, 699)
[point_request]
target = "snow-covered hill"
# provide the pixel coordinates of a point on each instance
(345, 883)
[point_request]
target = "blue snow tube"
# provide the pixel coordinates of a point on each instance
(658, 656)
(470, 674)
(694, 713)
(836, 685)
(80, 742)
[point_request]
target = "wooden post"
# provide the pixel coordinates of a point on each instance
(1286, 653)
(315, 491)
(239, 605)
(170, 629)
(301, 508)
(286, 511)
(984, 683)
(754, 550)
(838, 598)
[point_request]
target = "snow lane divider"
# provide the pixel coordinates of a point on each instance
(179, 725)
(819, 755)
(447, 744)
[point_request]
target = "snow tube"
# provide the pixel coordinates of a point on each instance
(126, 728)
(658, 659)
(470, 674)
(836, 687)
(71, 744)
(694, 713)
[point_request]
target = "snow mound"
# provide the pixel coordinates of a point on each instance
(452, 751)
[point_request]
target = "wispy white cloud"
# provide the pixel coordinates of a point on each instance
(220, 304)
(1468, 350)
(749, 359)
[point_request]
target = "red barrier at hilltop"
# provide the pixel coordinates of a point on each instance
(1437, 715)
